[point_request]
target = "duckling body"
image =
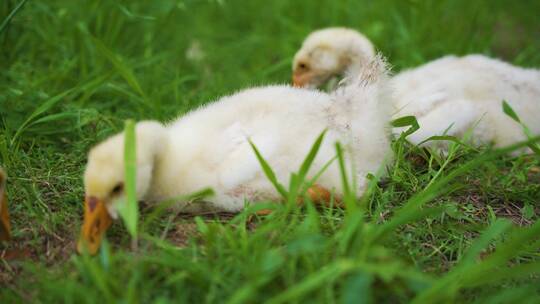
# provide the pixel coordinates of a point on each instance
(455, 94)
(448, 96)
(210, 147)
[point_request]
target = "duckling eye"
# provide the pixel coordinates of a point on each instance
(303, 66)
(117, 189)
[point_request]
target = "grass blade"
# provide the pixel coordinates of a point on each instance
(488, 271)
(494, 230)
(406, 121)
(162, 206)
(129, 211)
(313, 281)
(11, 15)
(308, 161)
(45, 106)
(120, 66)
(507, 109)
(446, 138)
(269, 172)
(343, 171)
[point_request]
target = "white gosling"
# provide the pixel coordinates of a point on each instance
(452, 94)
(209, 148)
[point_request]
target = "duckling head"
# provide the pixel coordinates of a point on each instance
(104, 180)
(330, 52)
(5, 228)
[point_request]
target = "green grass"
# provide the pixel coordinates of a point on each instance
(71, 73)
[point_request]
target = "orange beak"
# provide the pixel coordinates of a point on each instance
(96, 221)
(299, 80)
(5, 227)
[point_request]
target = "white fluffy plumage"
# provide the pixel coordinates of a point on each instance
(209, 147)
(453, 94)
(462, 93)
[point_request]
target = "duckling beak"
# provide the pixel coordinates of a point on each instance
(96, 221)
(5, 227)
(302, 79)
(299, 80)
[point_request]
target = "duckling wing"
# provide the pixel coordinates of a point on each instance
(239, 164)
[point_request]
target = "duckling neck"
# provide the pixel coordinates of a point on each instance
(357, 54)
(152, 142)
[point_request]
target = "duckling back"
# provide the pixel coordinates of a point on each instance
(210, 147)
(467, 92)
